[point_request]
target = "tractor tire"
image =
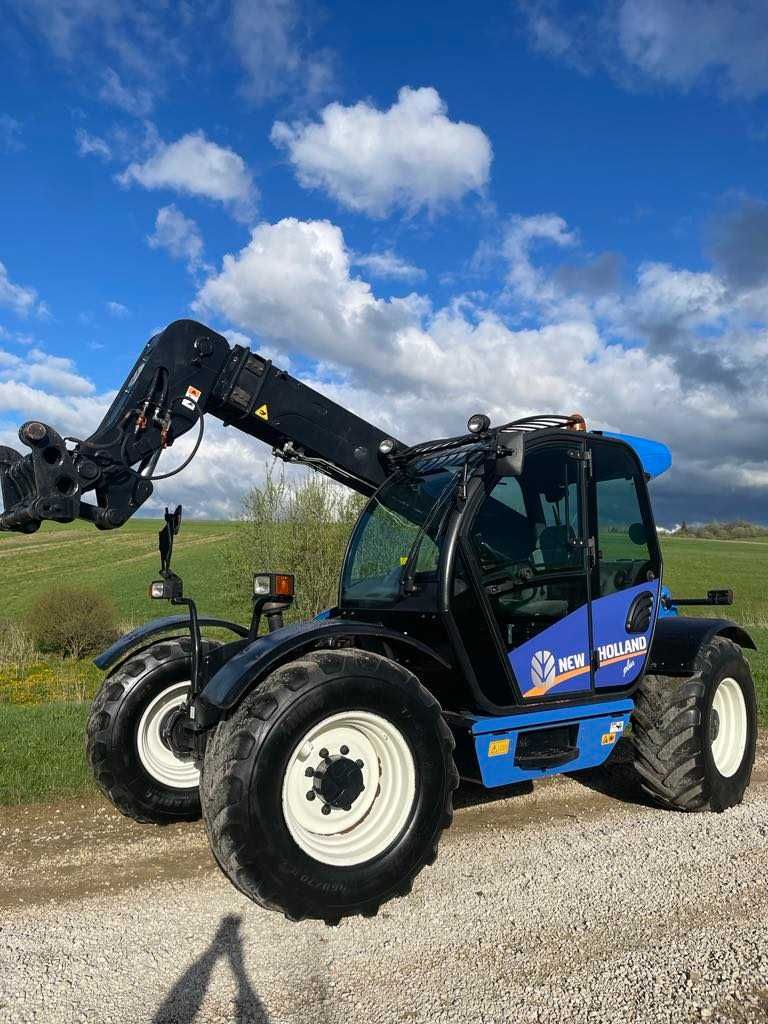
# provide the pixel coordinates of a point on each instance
(694, 738)
(361, 735)
(132, 767)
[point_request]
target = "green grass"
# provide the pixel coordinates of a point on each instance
(41, 747)
(121, 564)
(42, 755)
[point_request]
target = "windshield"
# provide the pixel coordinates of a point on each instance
(407, 511)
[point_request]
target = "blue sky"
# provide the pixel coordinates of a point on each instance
(424, 209)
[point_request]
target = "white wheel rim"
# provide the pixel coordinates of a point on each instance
(729, 712)
(157, 759)
(377, 816)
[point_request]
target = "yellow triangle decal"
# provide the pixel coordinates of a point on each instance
(262, 412)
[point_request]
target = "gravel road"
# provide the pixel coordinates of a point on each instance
(558, 903)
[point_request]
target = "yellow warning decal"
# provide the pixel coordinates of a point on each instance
(403, 559)
(609, 737)
(497, 747)
(193, 393)
(262, 412)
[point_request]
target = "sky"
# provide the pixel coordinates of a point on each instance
(424, 210)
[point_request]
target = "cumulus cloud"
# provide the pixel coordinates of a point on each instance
(42, 370)
(411, 156)
(671, 349)
(178, 235)
(193, 165)
(21, 299)
(387, 264)
(639, 41)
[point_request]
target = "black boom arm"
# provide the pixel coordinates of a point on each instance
(184, 372)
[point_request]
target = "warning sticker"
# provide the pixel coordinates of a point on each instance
(262, 412)
(617, 726)
(607, 738)
(497, 747)
(194, 393)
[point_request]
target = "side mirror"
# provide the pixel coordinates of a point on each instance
(510, 452)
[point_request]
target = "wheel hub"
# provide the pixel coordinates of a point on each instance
(714, 726)
(338, 781)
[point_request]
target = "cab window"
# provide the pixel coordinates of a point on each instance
(626, 550)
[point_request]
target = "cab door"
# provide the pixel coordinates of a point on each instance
(527, 546)
(627, 564)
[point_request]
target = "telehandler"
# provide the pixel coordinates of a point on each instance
(500, 618)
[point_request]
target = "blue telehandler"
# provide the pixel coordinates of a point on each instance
(500, 618)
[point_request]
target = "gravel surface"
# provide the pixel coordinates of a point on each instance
(560, 903)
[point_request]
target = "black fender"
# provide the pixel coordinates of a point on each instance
(137, 636)
(679, 638)
(257, 659)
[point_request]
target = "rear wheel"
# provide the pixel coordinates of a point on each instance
(695, 738)
(131, 763)
(327, 790)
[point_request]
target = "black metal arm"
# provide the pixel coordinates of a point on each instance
(183, 373)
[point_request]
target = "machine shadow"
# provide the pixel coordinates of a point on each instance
(616, 778)
(183, 1002)
(472, 794)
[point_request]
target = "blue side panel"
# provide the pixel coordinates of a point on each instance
(599, 727)
(622, 654)
(555, 660)
(655, 456)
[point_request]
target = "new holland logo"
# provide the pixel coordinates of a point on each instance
(543, 669)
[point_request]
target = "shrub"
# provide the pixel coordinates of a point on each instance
(71, 621)
(300, 526)
(16, 646)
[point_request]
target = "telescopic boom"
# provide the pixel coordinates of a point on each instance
(185, 372)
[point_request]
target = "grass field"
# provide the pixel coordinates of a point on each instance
(41, 745)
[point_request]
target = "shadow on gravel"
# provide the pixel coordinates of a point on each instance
(471, 794)
(616, 779)
(185, 999)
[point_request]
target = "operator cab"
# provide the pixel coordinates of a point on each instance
(545, 583)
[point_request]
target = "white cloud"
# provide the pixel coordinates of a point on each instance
(117, 310)
(410, 156)
(92, 145)
(520, 235)
(193, 165)
(681, 44)
(42, 370)
(269, 38)
(675, 335)
(387, 264)
(727, 40)
(21, 299)
(178, 235)
(137, 102)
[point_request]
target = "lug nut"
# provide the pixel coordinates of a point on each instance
(324, 753)
(326, 808)
(311, 794)
(359, 763)
(309, 772)
(344, 750)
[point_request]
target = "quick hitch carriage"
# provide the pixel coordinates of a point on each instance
(501, 618)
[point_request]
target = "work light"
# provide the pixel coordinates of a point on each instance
(278, 586)
(387, 446)
(478, 424)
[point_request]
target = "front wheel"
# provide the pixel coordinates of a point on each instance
(129, 759)
(326, 791)
(695, 738)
